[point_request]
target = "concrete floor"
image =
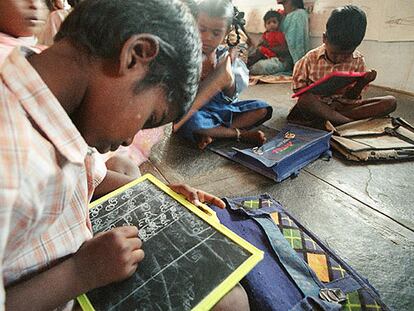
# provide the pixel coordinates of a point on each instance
(363, 211)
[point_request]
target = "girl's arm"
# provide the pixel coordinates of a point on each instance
(238, 71)
(216, 81)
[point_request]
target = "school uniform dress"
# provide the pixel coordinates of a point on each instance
(314, 66)
(47, 176)
(220, 110)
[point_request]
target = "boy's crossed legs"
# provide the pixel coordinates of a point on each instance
(313, 111)
(238, 129)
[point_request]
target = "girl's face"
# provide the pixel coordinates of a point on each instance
(272, 24)
(22, 18)
(213, 30)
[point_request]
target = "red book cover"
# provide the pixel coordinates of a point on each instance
(332, 83)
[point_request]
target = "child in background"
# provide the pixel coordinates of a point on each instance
(273, 42)
(59, 9)
(345, 30)
(20, 20)
(217, 112)
(88, 89)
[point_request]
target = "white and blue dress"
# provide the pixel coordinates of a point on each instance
(220, 110)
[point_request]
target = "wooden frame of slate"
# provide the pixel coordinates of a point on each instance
(191, 260)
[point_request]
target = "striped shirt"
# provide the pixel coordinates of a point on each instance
(315, 65)
(47, 176)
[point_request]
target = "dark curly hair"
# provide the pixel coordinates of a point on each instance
(346, 27)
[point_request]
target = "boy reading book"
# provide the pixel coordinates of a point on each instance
(345, 30)
(90, 88)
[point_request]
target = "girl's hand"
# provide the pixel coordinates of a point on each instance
(197, 196)
(109, 257)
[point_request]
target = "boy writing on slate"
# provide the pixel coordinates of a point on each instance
(111, 72)
(345, 30)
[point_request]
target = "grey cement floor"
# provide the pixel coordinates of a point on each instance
(363, 211)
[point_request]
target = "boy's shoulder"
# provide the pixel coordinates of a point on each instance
(318, 52)
(314, 54)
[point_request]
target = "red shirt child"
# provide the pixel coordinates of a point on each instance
(273, 42)
(272, 39)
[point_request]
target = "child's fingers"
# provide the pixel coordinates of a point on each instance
(134, 243)
(128, 231)
(137, 256)
(196, 196)
(187, 191)
(209, 198)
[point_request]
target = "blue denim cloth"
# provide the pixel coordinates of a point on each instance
(219, 112)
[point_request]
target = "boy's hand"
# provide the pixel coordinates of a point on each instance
(109, 257)
(370, 76)
(197, 196)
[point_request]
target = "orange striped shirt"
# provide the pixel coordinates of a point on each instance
(47, 176)
(315, 65)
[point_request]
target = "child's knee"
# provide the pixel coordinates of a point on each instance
(235, 300)
(390, 103)
(124, 165)
(262, 113)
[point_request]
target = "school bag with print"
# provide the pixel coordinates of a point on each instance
(284, 154)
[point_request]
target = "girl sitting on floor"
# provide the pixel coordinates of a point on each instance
(217, 112)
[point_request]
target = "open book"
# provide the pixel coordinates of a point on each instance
(331, 84)
(191, 260)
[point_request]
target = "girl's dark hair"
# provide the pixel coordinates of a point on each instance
(224, 9)
(272, 14)
(298, 4)
(101, 27)
(346, 27)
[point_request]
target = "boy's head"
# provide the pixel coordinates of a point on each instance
(272, 20)
(148, 57)
(215, 18)
(22, 18)
(345, 30)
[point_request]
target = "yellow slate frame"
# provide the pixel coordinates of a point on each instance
(208, 215)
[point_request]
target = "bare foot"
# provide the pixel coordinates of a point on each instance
(257, 138)
(204, 141)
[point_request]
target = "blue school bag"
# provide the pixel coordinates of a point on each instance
(285, 154)
(298, 271)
